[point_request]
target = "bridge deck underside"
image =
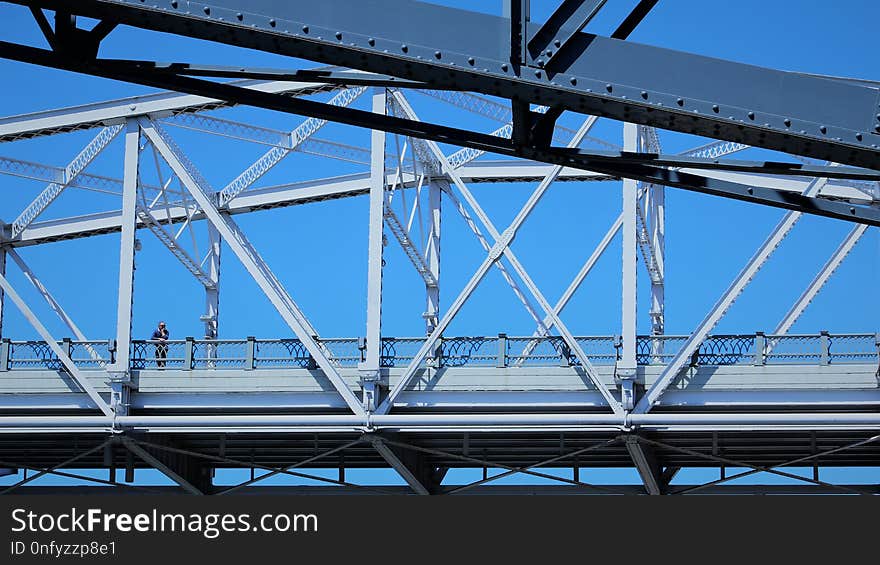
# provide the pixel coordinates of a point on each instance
(458, 450)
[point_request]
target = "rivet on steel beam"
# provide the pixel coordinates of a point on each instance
(549, 53)
(877, 129)
(609, 88)
(438, 55)
(305, 29)
(272, 22)
(503, 66)
(404, 48)
(715, 108)
(823, 129)
(207, 10)
(538, 74)
(557, 43)
(371, 41)
(174, 4)
(339, 35)
(573, 81)
(645, 94)
(787, 122)
(471, 61)
(680, 101)
(859, 136)
(751, 115)
(240, 16)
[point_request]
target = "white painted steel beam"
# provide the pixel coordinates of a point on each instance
(125, 289)
(484, 243)
(432, 162)
(146, 217)
(266, 136)
(212, 294)
(253, 263)
(62, 355)
(585, 269)
(259, 400)
(400, 233)
(655, 204)
(3, 252)
(71, 171)
(444, 423)
(115, 112)
(432, 292)
(275, 155)
(375, 242)
(671, 371)
(358, 184)
(818, 282)
(502, 246)
(50, 300)
(629, 288)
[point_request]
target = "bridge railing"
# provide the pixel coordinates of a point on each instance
(463, 351)
(38, 354)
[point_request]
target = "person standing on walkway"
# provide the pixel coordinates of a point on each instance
(160, 337)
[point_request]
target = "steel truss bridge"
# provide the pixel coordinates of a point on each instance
(423, 405)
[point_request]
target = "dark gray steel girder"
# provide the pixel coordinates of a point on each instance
(414, 467)
(829, 119)
(487, 490)
(645, 462)
(188, 472)
(622, 165)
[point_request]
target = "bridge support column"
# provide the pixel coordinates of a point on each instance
(191, 473)
(412, 466)
(432, 312)
(370, 368)
(2, 295)
(646, 464)
(127, 249)
(120, 392)
(212, 295)
(626, 365)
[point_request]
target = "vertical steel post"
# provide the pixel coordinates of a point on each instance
(250, 353)
(189, 349)
(3, 274)
(502, 351)
(127, 248)
(369, 369)
(657, 226)
(4, 353)
(627, 364)
(692, 345)
(432, 313)
(212, 295)
(824, 348)
(211, 317)
(374, 267)
(760, 348)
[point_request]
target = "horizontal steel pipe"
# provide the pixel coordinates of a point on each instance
(495, 421)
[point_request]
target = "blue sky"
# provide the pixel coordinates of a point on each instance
(319, 250)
